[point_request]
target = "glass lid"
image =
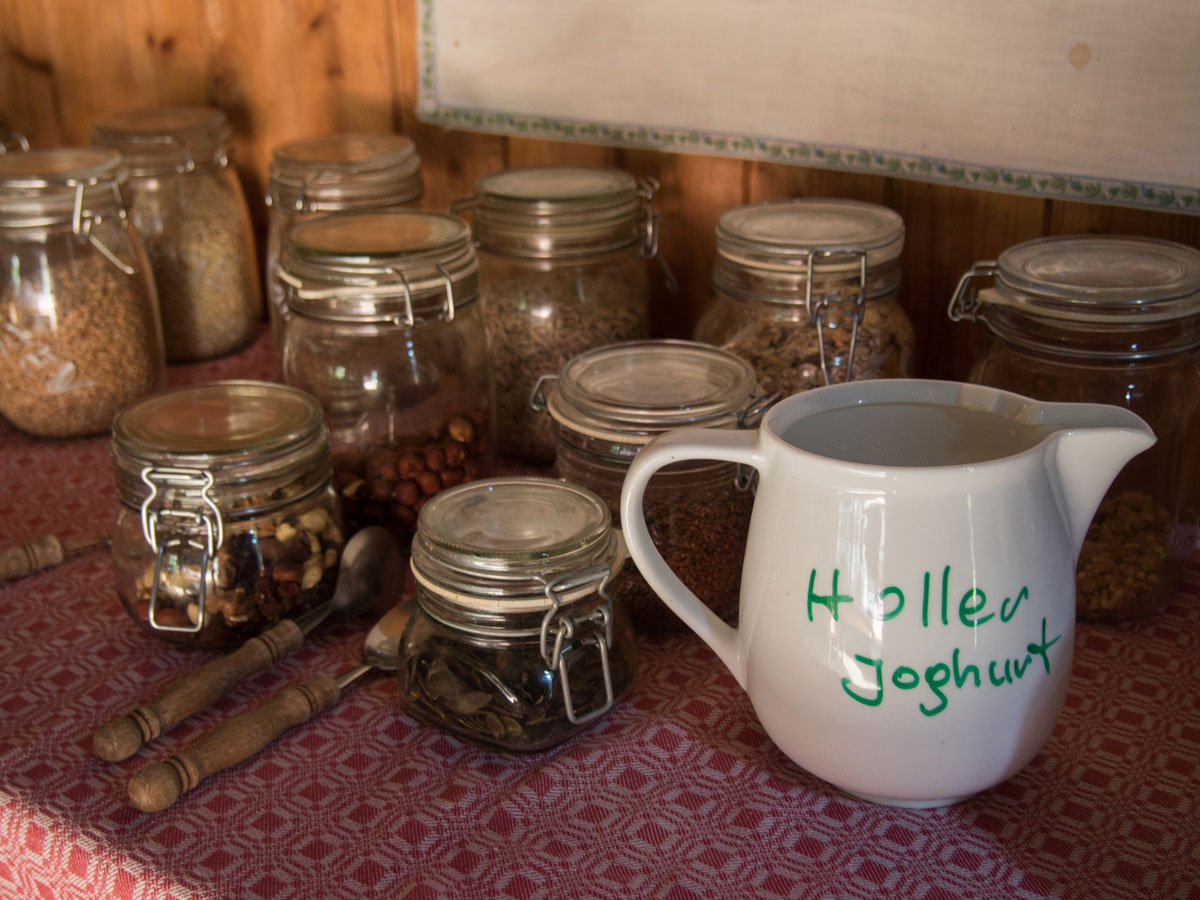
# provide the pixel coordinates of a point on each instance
(167, 139)
(510, 538)
(550, 188)
(782, 234)
(632, 391)
(345, 171)
(350, 153)
(1099, 277)
(60, 167)
(43, 187)
(217, 425)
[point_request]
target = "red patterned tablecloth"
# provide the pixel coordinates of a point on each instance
(677, 793)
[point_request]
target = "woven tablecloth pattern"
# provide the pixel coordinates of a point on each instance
(677, 793)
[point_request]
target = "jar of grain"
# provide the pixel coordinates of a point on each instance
(335, 173)
(385, 330)
(806, 292)
(10, 140)
(607, 404)
(562, 269)
(187, 204)
(228, 521)
(517, 640)
(79, 329)
(1108, 319)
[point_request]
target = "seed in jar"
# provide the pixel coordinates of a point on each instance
(315, 520)
(1118, 573)
(461, 430)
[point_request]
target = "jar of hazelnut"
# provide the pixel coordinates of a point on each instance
(385, 330)
(317, 176)
(228, 521)
(1108, 319)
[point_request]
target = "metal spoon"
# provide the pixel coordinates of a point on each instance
(372, 569)
(156, 786)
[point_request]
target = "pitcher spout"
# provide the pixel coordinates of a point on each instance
(1092, 445)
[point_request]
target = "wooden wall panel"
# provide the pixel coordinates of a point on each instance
(285, 69)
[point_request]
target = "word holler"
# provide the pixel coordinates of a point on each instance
(972, 611)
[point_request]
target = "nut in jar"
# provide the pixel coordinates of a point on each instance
(228, 520)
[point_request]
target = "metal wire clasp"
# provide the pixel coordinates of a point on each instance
(651, 228)
(816, 309)
(538, 400)
(192, 484)
(81, 225)
(563, 630)
(965, 302)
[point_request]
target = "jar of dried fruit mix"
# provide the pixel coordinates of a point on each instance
(79, 328)
(334, 173)
(1108, 319)
(607, 404)
(188, 206)
(562, 269)
(517, 639)
(806, 292)
(385, 330)
(228, 521)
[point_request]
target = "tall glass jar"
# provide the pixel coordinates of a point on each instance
(516, 640)
(562, 269)
(79, 329)
(228, 521)
(1106, 319)
(385, 330)
(10, 140)
(607, 404)
(806, 292)
(188, 206)
(334, 173)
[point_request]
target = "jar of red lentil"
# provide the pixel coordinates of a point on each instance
(807, 292)
(607, 404)
(1108, 319)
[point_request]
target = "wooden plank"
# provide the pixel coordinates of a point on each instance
(1083, 218)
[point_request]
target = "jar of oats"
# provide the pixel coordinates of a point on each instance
(79, 328)
(334, 173)
(385, 330)
(188, 205)
(806, 292)
(606, 404)
(1108, 319)
(562, 269)
(228, 521)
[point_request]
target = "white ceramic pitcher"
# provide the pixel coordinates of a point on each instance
(908, 598)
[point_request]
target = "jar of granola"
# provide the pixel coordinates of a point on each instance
(79, 329)
(333, 173)
(806, 292)
(607, 404)
(516, 639)
(187, 204)
(228, 521)
(1108, 319)
(562, 269)
(385, 330)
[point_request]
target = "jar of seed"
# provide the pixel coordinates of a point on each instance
(228, 521)
(335, 173)
(1108, 319)
(562, 269)
(385, 330)
(188, 205)
(607, 404)
(516, 639)
(10, 140)
(806, 291)
(79, 328)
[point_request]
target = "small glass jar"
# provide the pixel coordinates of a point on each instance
(335, 173)
(385, 330)
(11, 141)
(562, 269)
(188, 206)
(607, 404)
(79, 328)
(1106, 319)
(516, 640)
(228, 521)
(806, 292)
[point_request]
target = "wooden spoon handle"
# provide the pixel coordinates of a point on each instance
(158, 785)
(40, 553)
(123, 736)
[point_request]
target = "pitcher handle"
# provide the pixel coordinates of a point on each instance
(677, 446)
